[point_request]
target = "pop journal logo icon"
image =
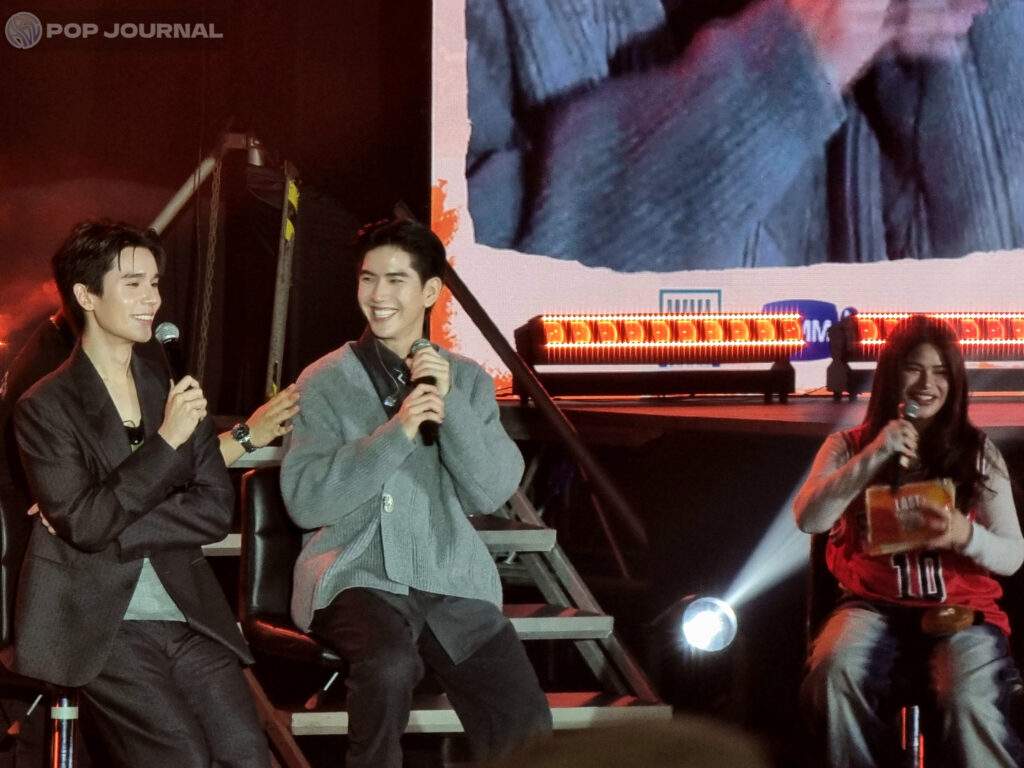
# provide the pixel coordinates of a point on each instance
(23, 30)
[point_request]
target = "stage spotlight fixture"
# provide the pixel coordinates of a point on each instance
(706, 339)
(709, 624)
(984, 336)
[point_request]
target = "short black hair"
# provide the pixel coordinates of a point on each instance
(425, 249)
(89, 253)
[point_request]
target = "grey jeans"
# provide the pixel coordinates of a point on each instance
(849, 679)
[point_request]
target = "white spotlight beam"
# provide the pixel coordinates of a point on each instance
(783, 550)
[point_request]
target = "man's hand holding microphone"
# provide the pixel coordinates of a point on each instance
(423, 408)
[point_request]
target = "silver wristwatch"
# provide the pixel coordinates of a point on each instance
(240, 432)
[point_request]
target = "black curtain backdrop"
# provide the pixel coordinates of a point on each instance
(110, 128)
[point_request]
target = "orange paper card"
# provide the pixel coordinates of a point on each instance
(895, 516)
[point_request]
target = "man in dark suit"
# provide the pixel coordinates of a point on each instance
(115, 596)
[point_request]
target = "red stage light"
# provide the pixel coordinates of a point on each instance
(660, 331)
(969, 329)
(633, 330)
(739, 330)
(792, 329)
(579, 332)
(607, 333)
(983, 335)
(713, 331)
(634, 338)
(989, 336)
(867, 329)
(705, 339)
(994, 329)
(686, 331)
(765, 330)
(554, 333)
(889, 323)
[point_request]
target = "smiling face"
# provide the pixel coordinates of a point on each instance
(392, 297)
(130, 297)
(924, 378)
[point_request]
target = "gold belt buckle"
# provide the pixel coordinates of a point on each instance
(943, 620)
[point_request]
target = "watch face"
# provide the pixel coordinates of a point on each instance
(240, 432)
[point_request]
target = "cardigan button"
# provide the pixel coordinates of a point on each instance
(388, 502)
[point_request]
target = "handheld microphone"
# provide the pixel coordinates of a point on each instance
(174, 356)
(428, 429)
(909, 410)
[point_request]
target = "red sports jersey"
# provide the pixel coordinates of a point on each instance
(920, 578)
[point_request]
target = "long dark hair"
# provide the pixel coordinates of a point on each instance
(952, 445)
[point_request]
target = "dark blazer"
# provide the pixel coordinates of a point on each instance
(112, 507)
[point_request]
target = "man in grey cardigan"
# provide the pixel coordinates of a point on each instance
(393, 449)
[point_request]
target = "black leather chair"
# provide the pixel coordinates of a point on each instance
(270, 546)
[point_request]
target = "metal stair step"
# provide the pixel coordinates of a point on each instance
(500, 534)
(538, 621)
(433, 714)
(229, 546)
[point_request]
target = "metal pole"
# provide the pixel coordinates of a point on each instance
(184, 194)
(195, 181)
(283, 284)
(600, 481)
(63, 715)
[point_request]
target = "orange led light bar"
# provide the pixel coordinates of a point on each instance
(637, 338)
(983, 335)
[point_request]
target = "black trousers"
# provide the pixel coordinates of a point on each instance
(169, 697)
(494, 692)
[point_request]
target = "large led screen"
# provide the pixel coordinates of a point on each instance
(640, 155)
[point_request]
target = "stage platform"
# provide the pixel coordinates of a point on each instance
(709, 478)
(639, 420)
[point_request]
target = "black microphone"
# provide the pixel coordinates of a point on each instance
(909, 410)
(428, 429)
(174, 356)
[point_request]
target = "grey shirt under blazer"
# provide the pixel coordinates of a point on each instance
(385, 512)
(111, 507)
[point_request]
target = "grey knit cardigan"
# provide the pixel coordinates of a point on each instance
(386, 512)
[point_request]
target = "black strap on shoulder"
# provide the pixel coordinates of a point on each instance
(389, 385)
